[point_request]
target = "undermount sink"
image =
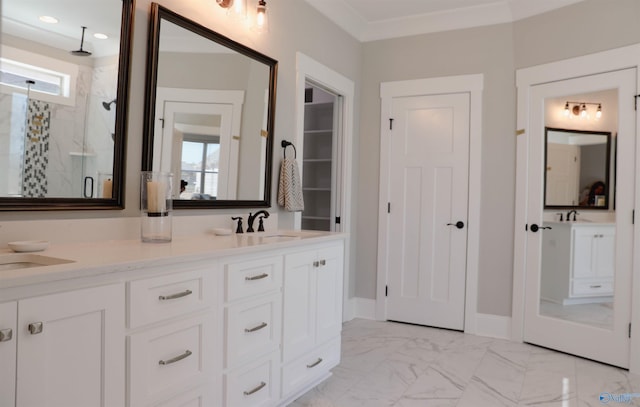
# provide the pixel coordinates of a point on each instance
(16, 261)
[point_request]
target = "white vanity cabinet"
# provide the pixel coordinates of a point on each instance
(67, 347)
(578, 262)
(174, 336)
(252, 333)
(8, 350)
(312, 316)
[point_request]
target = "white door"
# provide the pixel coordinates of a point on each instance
(429, 161)
(587, 321)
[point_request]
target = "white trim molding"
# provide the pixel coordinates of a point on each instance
(472, 84)
(310, 69)
(493, 326)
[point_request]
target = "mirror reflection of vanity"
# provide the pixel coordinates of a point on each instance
(63, 98)
(578, 251)
(210, 111)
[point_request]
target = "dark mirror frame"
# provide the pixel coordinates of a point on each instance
(119, 145)
(607, 171)
(159, 13)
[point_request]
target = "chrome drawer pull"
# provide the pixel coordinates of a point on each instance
(316, 264)
(595, 286)
(314, 364)
(174, 296)
(176, 359)
(35, 328)
(6, 335)
(256, 328)
(258, 388)
(258, 277)
(323, 262)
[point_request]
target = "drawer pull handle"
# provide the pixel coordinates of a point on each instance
(256, 389)
(256, 328)
(6, 335)
(174, 296)
(323, 262)
(35, 328)
(316, 264)
(176, 359)
(258, 277)
(596, 286)
(314, 364)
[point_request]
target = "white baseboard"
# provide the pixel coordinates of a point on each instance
(494, 326)
(357, 307)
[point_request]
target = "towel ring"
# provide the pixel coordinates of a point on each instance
(286, 144)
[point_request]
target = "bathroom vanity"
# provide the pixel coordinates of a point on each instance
(240, 320)
(578, 262)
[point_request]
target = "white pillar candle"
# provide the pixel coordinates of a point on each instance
(152, 196)
(107, 188)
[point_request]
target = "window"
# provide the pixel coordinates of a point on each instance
(47, 79)
(200, 166)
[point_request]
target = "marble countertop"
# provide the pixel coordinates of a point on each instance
(99, 258)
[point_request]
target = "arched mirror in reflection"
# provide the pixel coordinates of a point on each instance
(209, 109)
(64, 71)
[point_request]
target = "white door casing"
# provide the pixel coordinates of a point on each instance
(471, 87)
(531, 90)
(162, 150)
(310, 69)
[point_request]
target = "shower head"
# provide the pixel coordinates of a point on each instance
(107, 105)
(81, 52)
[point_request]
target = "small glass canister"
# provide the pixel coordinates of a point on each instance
(157, 205)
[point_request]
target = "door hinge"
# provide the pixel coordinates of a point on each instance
(633, 216)
(162, 120)
(629, 329)
(388, 207)
(337, 220)
(386, 293)
(391, 124)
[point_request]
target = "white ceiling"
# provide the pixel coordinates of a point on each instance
(369, 20)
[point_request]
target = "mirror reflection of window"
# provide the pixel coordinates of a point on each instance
(200, 167)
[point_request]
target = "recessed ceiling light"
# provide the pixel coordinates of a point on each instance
(101, 36)
(48, 19)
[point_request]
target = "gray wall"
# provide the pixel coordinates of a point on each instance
(495, 51)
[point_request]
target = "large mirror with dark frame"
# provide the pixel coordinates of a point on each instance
(64, 80)
(209, 114)
(577, 169)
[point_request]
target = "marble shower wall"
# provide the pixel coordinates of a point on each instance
(79, 144)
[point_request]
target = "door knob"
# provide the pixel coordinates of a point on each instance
(459, 224)
(534, 228)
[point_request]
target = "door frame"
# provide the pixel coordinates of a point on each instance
(526, 78)
(473, 85)
(308, 69)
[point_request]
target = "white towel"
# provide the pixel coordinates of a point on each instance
(290, 186)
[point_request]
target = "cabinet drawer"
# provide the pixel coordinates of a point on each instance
(253, 328)
(592, 288)
(8, 349)
(166, 360)
(158, 298)
(249, 278)
(199, 397)
(310, 367)
(256, 384)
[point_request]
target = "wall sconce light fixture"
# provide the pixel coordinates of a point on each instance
(238, 9)
(580, 109)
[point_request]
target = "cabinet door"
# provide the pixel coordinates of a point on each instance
(583, 240)
(298, 304)
(605, 253)
(329, 294)
(8, 339)
(71, 350)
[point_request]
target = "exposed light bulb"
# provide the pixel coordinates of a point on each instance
(567, 112)
(238, 9)
(262, 22)
(599, 111)
(583, 111)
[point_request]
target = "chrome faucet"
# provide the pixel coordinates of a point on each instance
(574, 214)
(252, 218)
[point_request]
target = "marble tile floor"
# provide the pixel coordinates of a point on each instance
(595, 314)
(387, 364)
